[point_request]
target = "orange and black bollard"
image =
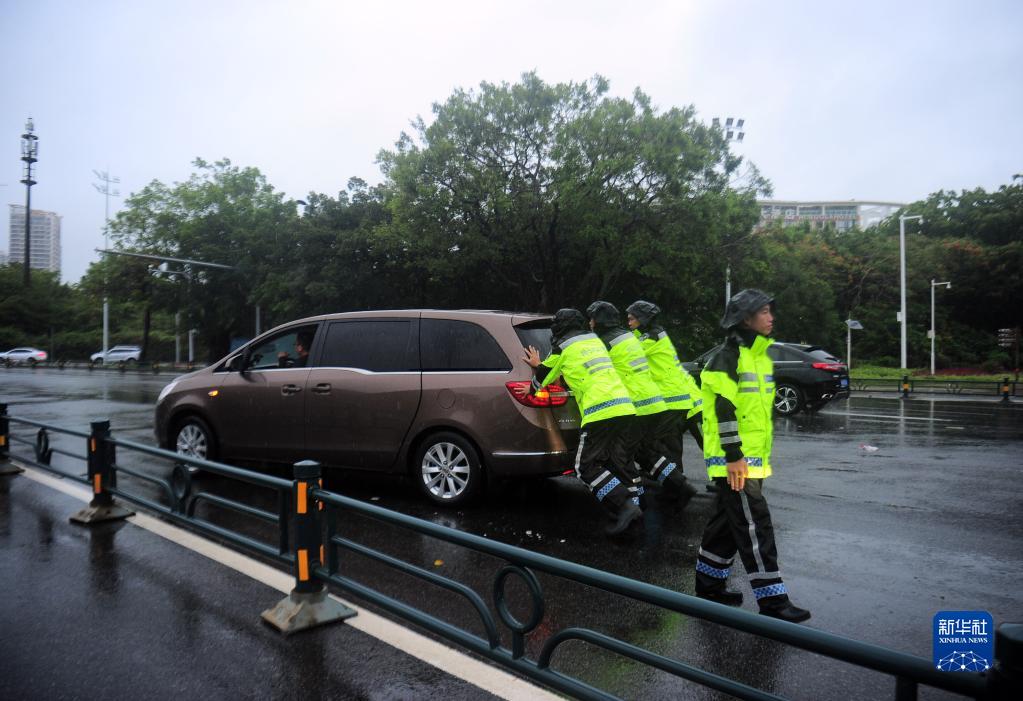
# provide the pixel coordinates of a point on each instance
(905, 386)
(1005, 389)
(5, 427)
(102, 477)
(308, 604)
(6, 466)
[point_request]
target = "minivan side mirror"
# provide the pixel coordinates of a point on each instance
(245, 361)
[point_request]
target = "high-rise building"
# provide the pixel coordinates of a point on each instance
(842, 214)
(45, 253)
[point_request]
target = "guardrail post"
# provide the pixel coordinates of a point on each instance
(102, 476)
(1006, 676)
(308, 604)
(1005, 389)
(905, 386)
(6, 466)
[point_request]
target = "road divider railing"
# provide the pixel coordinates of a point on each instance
(121, 366)
(907, 385)
(309, 544)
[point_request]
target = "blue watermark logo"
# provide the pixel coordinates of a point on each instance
(964, 641)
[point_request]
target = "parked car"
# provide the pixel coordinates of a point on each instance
(26, 356)
(118, 354)
(432, 394)
(805, 377)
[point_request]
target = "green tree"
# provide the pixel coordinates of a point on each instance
(223, 214)
(536, 196)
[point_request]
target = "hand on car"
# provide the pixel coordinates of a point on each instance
(737, 473)
(531, 357)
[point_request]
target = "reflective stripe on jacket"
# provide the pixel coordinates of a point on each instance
(751, 391)
(586, 366)
(678, 388)
(634, 370)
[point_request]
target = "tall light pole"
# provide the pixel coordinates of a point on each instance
(29, 154)
(850, 325)
(106, 191)
(948, 286)
(902, 278)
(733, 130)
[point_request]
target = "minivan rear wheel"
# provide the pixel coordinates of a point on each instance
(448, 470)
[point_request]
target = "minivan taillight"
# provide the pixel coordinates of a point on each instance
(551, 395)
(830, 367)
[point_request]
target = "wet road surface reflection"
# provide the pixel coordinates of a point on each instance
(886, 511)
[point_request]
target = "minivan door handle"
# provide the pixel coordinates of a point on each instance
(290, 389)
(322, 388)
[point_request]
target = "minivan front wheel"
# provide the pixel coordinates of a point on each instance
(448, 469)
(194, 438)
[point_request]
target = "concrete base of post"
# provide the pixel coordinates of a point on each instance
(9, 468)
(97, 514)
(300, 611)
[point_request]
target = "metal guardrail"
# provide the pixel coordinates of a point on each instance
(308, 543)
(907, 385)
(122, 366)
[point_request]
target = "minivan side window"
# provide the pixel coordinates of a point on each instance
(379, 345)
(451, 345)
(280, 351)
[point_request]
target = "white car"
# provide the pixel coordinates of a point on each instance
(118, 354)
(28, 356)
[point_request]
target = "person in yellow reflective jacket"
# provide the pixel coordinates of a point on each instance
(738, 396)
(654, 430)
(680, 391)
(604, 406)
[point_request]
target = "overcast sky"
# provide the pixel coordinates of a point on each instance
(862, 100)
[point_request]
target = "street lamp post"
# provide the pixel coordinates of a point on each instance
(948, 286)
(106, 191)
(733, 130)
(902, 280)
(850, 325)
(29, 154)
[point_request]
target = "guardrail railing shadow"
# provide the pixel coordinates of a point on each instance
(309, 545)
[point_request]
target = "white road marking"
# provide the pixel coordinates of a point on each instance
(448, 660)
(885, 416)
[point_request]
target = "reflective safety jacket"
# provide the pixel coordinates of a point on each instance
(678, 387)
(634, 370)
(584, 362)
(738, 396)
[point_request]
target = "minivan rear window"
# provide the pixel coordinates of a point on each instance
(537, 335)
(384, 345)
(447, 344)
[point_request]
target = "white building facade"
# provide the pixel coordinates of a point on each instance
(842, 214)
(45, 253)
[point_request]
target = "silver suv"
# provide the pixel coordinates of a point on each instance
(118, 354)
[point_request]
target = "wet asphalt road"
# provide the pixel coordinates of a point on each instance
(873, 542)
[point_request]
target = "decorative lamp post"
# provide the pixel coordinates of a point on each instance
(29, 154)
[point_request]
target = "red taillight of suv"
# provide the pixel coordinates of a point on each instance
(830, 367)
(551, 395)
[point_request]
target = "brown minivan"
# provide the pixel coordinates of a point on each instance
(423, 392)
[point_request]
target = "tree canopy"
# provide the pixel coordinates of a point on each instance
(533, 196)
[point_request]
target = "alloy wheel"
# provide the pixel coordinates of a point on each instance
(445, 470)
(192, 441)
(786, 399)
